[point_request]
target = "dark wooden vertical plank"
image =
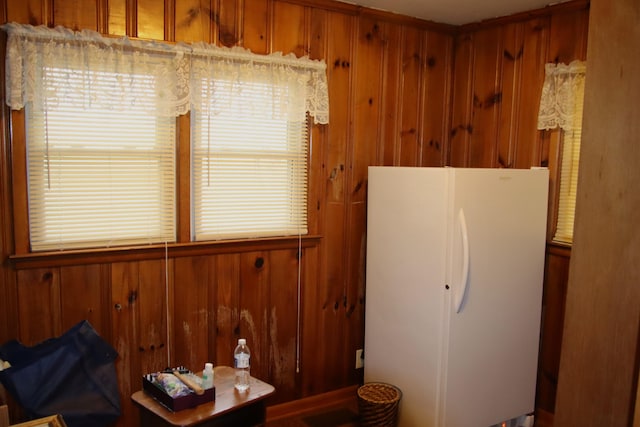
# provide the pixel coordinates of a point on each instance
(8, 285)
(125, 338)
(255, 31)
(228, 28)
(367, 82)
(254, 302)
(568, 36)
(412, 86)
(313, 276)
(512, 52)
(487, 97)
(437, 63)
(150, 19)
(529, 144)
(194, 19)
(318, 141)
(18, 189)
(284, 322)
(389, 148)
(152, 300)
(331, 305)
(76, 14)
(85, 295)
(461, 118)
(169, 20)
(227, 288)
(39, 304)
(190, 314)
(117, 17)
(553, 304)
(288, 29)
(183, 176)
(368, 71)
(26, 12)
(311, 357)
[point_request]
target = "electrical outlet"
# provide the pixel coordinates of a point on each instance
(359, 358)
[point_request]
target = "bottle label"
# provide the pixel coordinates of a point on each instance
(242, 360)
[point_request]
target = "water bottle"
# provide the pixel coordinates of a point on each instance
(241, 357)
(207, 376)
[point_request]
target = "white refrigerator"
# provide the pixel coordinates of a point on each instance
(454, 272)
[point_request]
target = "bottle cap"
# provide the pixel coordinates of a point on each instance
(242, 341)
(208, 366)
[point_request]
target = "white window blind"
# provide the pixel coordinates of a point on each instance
(98, 177)
(249, 162)
(569, 175)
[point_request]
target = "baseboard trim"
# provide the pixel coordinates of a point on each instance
(312, 403)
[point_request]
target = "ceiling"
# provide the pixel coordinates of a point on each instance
(454, 12)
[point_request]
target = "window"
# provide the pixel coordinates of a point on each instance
(568, 184)
(101, 138)
(98, 177)
(249, 163)
(561, 106)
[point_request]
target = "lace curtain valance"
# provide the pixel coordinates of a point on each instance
(35, 54)
(562, 96)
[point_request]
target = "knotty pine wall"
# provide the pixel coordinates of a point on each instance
(402, 92)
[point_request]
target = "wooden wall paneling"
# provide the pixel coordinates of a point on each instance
(568, 36)
(228, 23)
(183, 176)
(117, 17)
(76, 14)
(150, 19)
(389, 146)
(284, 321)
(194, 20)
(153, 297)
(191, 312)
(256, 21)
(411, 94)
(126, 335)
(513, 51)
(330, 307)
(34, 12)
(311, 354)
(529, 147)
(367, 84)
(38, 303)
(553, 301)
(254, 289)
(487, 97)
(86, 295)
(367, 81)
(437, 63)
(226, 285)
(318, 133)
(313, 273)
(18, 188)
(8, 291)
(461, 109)
(289, 29)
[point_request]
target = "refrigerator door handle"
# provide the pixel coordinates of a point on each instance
(462, 289)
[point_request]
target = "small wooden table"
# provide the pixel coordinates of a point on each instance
(231, 407)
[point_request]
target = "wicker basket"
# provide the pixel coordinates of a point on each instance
(378, 404)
